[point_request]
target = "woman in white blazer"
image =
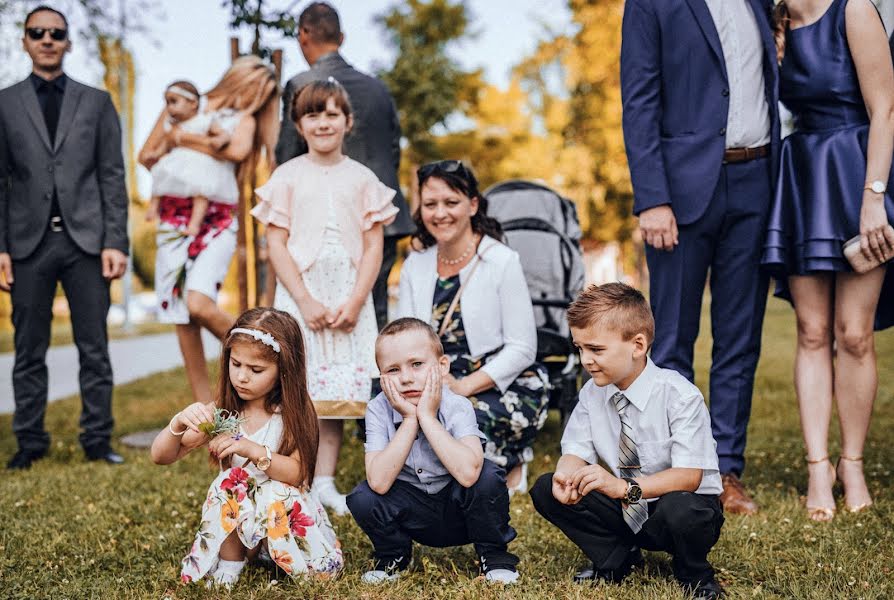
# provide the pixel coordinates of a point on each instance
(488, 332)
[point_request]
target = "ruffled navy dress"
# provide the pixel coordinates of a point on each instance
(823, 163)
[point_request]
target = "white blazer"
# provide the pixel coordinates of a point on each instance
(496, 306)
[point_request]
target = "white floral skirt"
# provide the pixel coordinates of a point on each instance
(299, 537)
(340, 366)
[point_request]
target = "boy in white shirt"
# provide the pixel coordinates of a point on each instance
(660, 484)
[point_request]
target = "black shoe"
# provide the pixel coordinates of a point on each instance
(104, 453)
(23, 459)
(709, 590)
(590, 573)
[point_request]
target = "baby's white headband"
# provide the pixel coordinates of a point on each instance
(176, 89)
(261, 336)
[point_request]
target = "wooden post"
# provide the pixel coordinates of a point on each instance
(242, 248)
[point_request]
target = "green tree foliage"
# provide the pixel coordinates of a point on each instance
(251, 13)
(428, 85)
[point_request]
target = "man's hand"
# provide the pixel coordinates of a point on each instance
(593, 478)
(563, 490)
(6, 278)
(114, 263)
(659, 227)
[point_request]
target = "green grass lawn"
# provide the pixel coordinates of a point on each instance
(77, 530)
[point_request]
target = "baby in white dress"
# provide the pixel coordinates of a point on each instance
(184, 172)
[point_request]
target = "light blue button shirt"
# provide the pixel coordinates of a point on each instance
(423, 469)
(671, 426)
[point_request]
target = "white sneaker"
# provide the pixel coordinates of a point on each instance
(504, 576)
(330, 498)
(522, 486)
(379, 577)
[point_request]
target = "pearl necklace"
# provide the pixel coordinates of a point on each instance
(462, 257)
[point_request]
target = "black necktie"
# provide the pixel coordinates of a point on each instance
(51, 109)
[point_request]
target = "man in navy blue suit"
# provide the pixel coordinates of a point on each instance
(701, 127)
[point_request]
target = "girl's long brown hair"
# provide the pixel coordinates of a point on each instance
(250, 86)
(781, 20)
(300, 429)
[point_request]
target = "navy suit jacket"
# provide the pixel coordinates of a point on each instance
(676, 99)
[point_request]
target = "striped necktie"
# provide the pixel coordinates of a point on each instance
(635, 515)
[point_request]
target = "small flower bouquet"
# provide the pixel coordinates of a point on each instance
(225, 423)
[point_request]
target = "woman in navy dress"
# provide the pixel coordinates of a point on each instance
(837, 79)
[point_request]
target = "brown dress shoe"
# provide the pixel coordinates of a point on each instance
(734, 498)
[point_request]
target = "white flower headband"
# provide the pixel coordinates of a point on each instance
(176, 89)
(261, 336)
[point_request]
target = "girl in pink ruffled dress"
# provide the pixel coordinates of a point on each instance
(325, 214)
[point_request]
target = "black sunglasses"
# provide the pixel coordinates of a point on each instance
(443, 166)
(37, 33)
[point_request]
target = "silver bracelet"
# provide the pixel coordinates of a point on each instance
(171, 427)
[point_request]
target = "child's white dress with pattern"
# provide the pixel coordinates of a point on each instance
(340, 366)
(298, 534)
(184, 172)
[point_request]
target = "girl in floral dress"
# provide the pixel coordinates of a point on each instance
(260, 503)
(325, 215)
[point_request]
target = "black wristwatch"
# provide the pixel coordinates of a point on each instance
(634, 492)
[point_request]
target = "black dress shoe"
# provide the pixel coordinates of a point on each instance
(709, 590)
(589, 574)
(105, 454)
(23, 459)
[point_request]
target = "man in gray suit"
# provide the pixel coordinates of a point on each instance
(63, 218)
(375, 139)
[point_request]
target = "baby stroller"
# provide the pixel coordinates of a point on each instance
(542, 227)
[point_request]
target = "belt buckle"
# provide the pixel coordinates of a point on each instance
(56, 224)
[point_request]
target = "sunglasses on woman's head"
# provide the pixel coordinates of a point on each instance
(37, 33)
(443, 166)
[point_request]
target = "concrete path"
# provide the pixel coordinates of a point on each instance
(132, 358)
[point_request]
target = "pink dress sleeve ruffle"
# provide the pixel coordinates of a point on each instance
(274, 203)
(376, 205)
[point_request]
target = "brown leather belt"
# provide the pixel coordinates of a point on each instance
(740, 155)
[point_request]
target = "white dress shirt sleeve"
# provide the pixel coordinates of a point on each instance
(692, 445)
(377, 413)
(518, 325)
(405, 295)
(578, 436)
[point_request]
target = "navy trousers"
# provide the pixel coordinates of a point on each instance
(453, 516)
(726, 242)
(684, 524)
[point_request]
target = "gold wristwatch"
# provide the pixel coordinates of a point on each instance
(263, 463)
(877, 186)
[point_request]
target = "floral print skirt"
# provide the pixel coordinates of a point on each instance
(184, 263)
(300, 540)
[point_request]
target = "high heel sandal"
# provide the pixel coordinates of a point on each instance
(822, 514)
(522, 486)
(860, 507)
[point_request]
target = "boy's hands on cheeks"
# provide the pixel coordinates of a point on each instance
(430, 401)
(595, 478)
(563, 490)
(406, 408)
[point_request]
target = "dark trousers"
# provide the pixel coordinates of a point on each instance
(452, 517)
(380, 288)
(727, 242)
(684, 524)
(59, 259)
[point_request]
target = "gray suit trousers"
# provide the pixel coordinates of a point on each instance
(59, 259)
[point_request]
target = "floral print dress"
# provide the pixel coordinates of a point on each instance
(299, 538)
(510, 420)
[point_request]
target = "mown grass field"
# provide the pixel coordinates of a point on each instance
(76, 530)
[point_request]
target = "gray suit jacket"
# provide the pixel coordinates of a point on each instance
(85, 165)
(375, 138)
